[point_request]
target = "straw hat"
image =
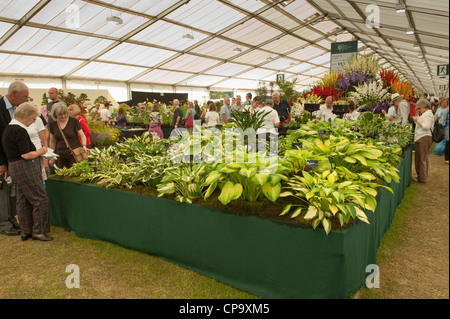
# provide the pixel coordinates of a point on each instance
(396, 96)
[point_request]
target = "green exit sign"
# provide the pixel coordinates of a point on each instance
(442, 70)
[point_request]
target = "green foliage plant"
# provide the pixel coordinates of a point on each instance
(324, 197)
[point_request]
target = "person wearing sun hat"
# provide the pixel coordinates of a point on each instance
(403, 108)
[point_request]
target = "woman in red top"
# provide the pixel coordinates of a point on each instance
(75, 111)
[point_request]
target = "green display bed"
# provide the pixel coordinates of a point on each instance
(264, 257)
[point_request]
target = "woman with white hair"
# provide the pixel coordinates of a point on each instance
(25, 169)
(38, 135)
(423, 139)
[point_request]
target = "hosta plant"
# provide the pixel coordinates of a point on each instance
(327, 196)
(184, 181)
(361, 159)
(249, 180)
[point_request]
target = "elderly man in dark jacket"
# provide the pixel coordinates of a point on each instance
(17, 94)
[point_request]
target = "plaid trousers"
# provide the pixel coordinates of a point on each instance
(31, 198)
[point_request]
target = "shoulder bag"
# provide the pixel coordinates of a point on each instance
(79, 154)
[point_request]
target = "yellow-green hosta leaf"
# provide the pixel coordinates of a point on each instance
(286, 209)
(309, 195)
(333, 209)
(341, 219)
(371, 203)
(345, 184)
(316, 223)
(260, 179)
(311, 213)
(331, 178)
(360, 158)
(367, 176)
(326, 225)
(370, 191)
(372, 153)
(212, 177)
(296, 213)
(286, 194)
(361, 215)
(247, 172)
(271, 192)
(350, 160)
(230, 192)
(325, 174)
(210, 190)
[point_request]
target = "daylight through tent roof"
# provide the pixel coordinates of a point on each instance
(218, 43)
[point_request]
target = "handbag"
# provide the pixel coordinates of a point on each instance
(78, 154)
(189, 121)
(438, 133)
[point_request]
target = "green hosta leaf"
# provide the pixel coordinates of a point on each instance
(367, 176)
(331, 178)
(230, 192)
(311, 213)
(212, 178)
(350, 160)
(193, 188)
(316, 223)
(388, 179)
(360, 158)
(372, 153)
(271, 192)
(326, 225)
(345, 184)
(286, 209)
(358, 199)
(167, 188)
(325, 174)
(370, 191)
(351, 209)
(228, 170)
(260, 179)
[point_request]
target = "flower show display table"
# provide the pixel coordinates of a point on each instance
(268, 258)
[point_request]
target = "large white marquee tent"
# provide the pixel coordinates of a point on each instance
(194, 46)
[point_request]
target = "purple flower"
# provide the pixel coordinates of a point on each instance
(349, 80)
(378, 107)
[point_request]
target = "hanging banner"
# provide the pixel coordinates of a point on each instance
(341, 52)
(217, 95)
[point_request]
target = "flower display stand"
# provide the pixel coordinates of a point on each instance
(268, 258)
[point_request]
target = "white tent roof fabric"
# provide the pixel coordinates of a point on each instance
(217, 43)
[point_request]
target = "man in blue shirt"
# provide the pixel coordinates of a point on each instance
(282, 107)
(225, 111)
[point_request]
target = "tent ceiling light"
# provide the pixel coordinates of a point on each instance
(115, 19)
(188, 36)
(400, 8)
(410, 31)
(416, 45)
(237, 49)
